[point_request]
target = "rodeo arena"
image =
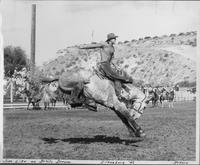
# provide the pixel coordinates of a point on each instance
(44, 122)
(102, 115)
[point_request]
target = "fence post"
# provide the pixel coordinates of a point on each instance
(27, 87)
(11, 91)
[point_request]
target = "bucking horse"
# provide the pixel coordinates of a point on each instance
(97, 89)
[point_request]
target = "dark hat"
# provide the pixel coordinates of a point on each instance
(111, 36)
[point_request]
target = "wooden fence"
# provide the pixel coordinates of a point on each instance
(184, 96)
(24, 106)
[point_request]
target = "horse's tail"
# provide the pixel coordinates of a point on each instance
(46, 98)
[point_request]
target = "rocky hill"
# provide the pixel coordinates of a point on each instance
(158, 60)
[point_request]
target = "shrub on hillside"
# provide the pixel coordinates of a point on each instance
(166, 55)
(193, 43)
(164, 36)
(155, 37)
(126, 66)
(180, 34)
(139, 62)
(146, 38)
(140, 39)
(62, 71)
(57, 73)
(121, 61)
(186, 84)
(172, 35)
(62, 62)
(126, 41)
(133, 70)
(194, 33)
(133, 40)
(162, 59)
(188, 33)
(134, 56)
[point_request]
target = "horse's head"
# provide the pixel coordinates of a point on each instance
(138, 100)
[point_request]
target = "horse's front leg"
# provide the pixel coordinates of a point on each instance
(33, 104)
(54, 104)
(162, 103)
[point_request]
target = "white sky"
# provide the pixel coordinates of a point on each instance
(65, 23)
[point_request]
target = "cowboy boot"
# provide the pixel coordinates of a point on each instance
(118, 88)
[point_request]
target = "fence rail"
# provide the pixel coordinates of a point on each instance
(179, 96)
(24, 105)
(184, 96)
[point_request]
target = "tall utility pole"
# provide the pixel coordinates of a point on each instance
(92, 35)
(33, 30)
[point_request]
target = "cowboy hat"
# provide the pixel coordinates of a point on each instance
(111, 36)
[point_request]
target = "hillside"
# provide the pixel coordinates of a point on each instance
(155, 60)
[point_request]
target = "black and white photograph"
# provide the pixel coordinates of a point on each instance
(99, 82)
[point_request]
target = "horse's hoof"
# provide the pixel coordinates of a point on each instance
(140, 133)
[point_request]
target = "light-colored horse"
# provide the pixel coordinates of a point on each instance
(48, 96)
(102, 91)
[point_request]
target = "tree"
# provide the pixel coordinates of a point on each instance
(14, 59)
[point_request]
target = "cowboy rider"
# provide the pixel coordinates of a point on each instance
(107, 54)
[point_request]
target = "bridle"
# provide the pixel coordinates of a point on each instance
(139, 110)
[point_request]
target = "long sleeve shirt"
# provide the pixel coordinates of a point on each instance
(107, 50)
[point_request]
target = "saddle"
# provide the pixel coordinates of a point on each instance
(112, 74)
(118, 85)
(100, 72)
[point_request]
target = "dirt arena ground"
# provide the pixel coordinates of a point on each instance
(85, 135)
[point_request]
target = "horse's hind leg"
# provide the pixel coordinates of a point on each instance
(28, 105)
(123, 113)
(131, 125)
(45, 105)
(162, 103)
(124, 120)
(169, 104)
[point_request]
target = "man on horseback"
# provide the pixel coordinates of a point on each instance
(107, 54)
(90, 89)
